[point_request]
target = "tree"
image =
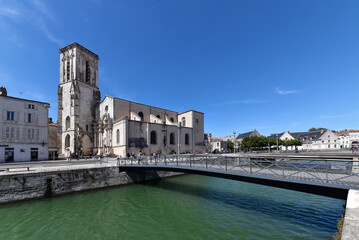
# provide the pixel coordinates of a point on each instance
(230, 145)
(313, 129)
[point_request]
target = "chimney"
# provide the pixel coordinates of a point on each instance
(288, 131)
(3, 91)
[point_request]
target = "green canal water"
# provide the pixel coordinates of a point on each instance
(184, 207)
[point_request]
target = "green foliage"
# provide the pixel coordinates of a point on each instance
(230, 144)
(291, 142)
(340, 224)
(313, 129)
(262, 142)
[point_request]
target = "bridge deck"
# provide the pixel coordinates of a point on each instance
(328, 178)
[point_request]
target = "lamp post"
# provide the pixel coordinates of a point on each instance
(234, 143)
(277, 143)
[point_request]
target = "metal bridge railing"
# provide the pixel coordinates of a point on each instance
(344, 172)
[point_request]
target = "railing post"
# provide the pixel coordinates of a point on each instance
(190, 161)
(225, 160)
(250, 166)
(326, 171)
(165, 161)
(283, 173)
(206, 162)
(177, 161)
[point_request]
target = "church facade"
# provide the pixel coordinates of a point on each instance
(116, 126)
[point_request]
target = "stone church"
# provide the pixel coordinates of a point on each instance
(87, 124)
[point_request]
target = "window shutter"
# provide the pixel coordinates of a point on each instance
(4, 113)
(34, 118)
(24, 133)
(16, 117)
(25, 117)
(11, 133)
(4, 133)
(37, 134)
(17, 133)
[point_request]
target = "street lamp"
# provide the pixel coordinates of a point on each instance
(277, 143)
(234, 143)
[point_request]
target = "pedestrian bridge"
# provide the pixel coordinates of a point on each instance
(329, 177)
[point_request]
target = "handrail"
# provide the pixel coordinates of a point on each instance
(315, 170)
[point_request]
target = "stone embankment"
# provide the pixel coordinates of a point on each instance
(351, 219)
(40, 183)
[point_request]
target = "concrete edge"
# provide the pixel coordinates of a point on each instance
(351, 219)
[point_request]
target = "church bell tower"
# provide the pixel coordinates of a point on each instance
(78, 99)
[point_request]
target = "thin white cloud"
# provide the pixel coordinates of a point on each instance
(44, 10)
(285, 92)
(49, 35)
(246, 101)
(338, 116)
(8, 12)
(33, 13)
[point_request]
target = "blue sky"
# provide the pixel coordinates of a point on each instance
(270, 65)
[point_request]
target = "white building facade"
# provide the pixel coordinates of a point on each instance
(87, 125)
(316, 140)
(23, 130)
(219, 145)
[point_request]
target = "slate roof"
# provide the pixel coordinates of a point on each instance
(247, 134)
(22, 99)
(275, 135)
(315, 135)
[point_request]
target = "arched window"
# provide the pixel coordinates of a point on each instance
(172, 120)
(186, 139)
(158, 116)
(118, 136)
(67, 141)
(68, 70)
(183, 122)
(140, 114)
(67, 123)
(88, 71)
(172, 138)
(153, 137)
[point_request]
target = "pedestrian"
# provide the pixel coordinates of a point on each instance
(139, 156)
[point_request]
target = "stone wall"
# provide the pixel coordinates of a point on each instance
(26, 186)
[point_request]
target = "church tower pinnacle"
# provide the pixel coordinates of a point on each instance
(78, 98)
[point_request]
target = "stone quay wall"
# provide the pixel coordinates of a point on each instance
(27, 186)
